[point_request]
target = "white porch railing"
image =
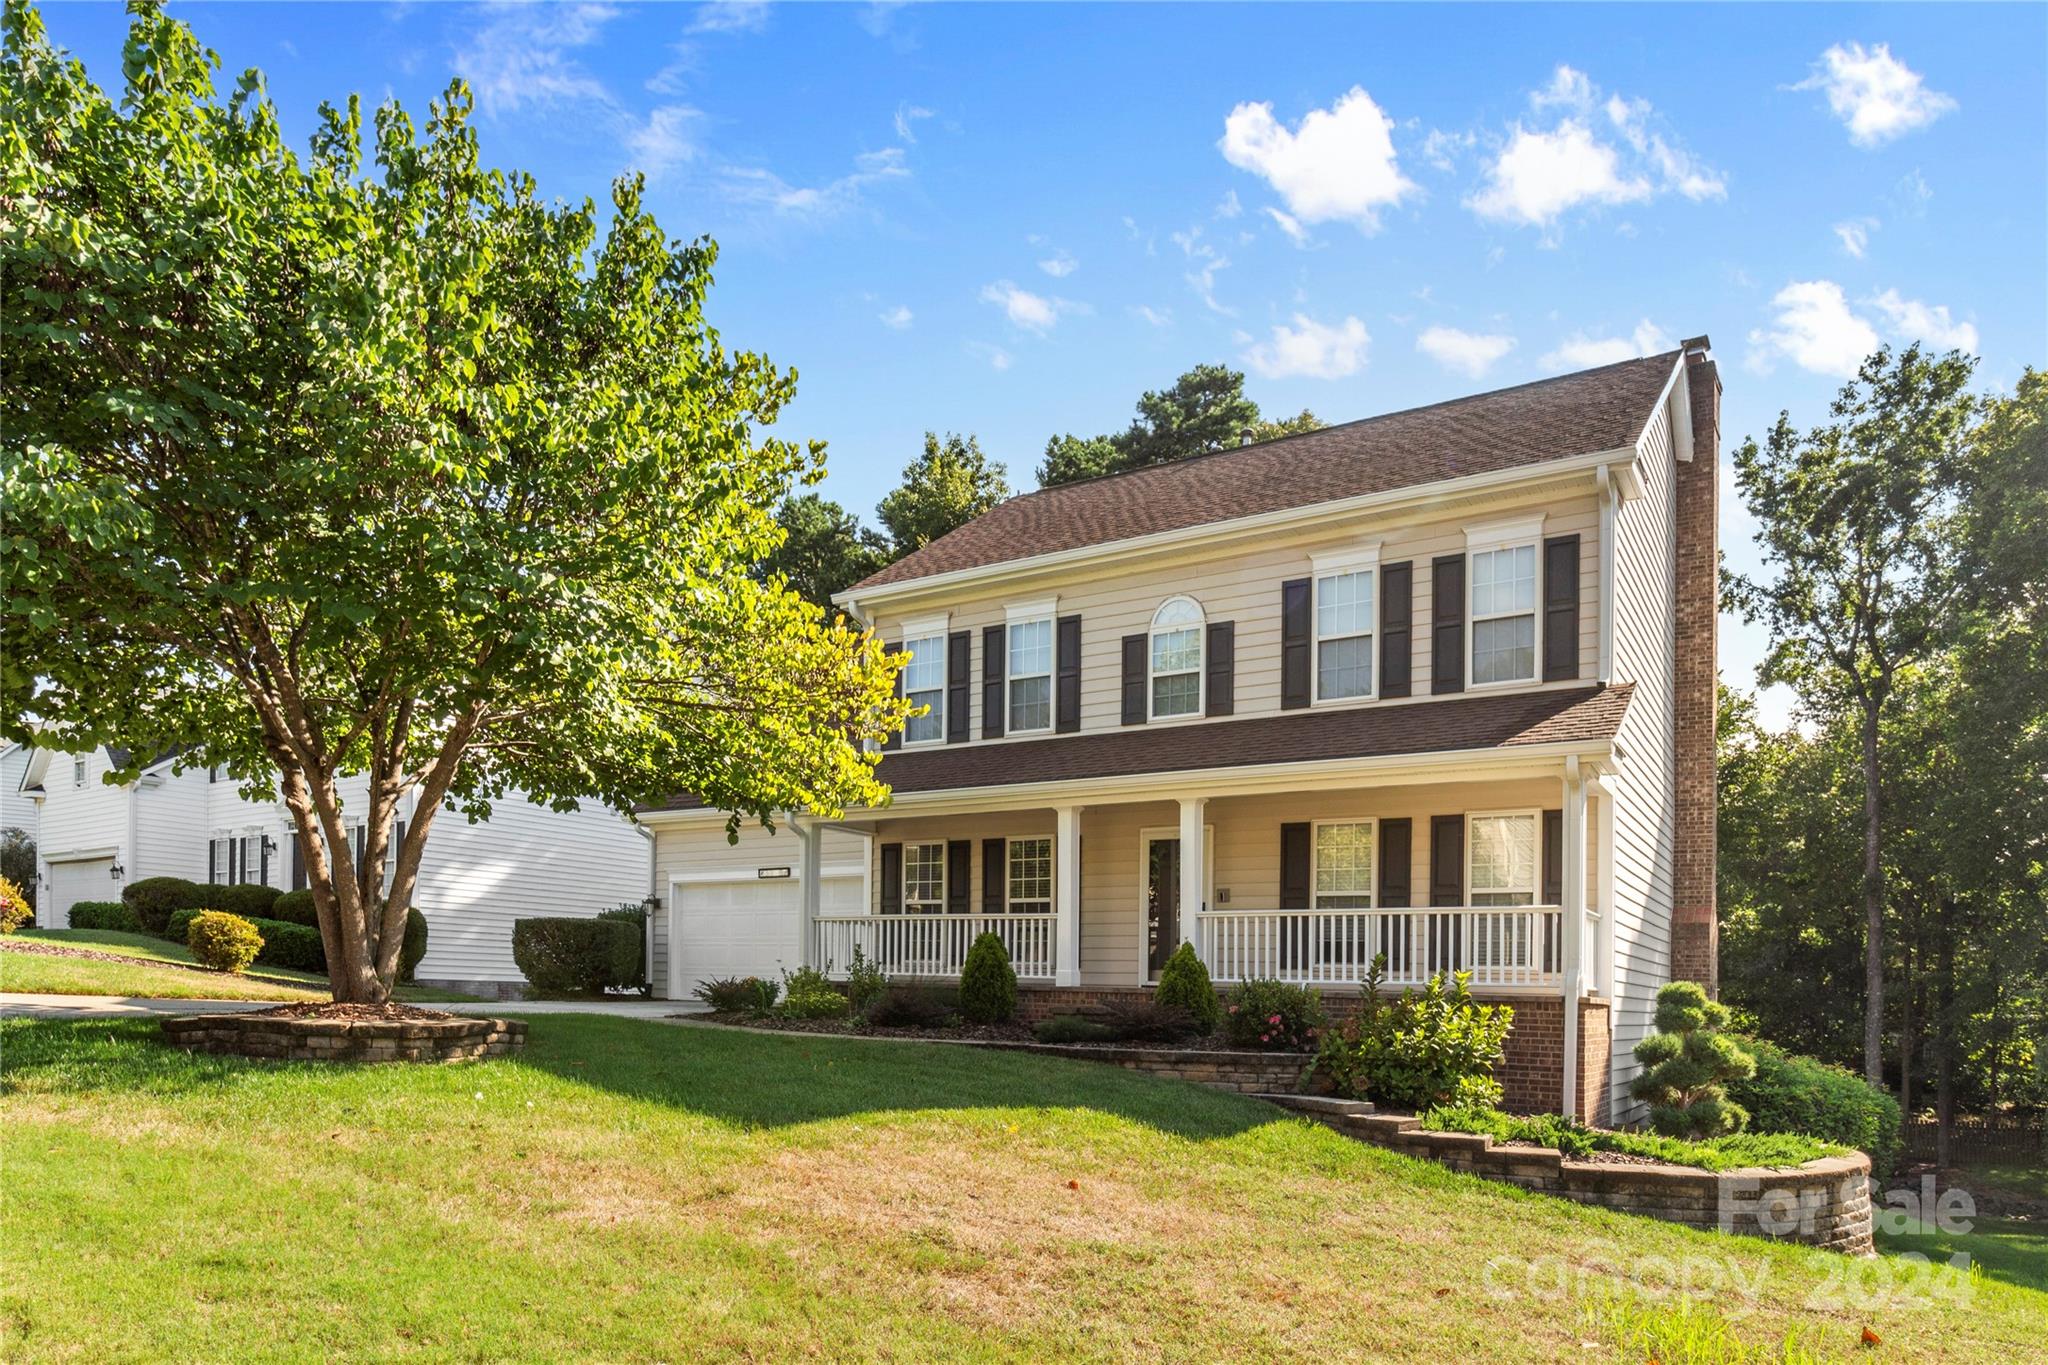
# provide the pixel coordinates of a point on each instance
(1500, 945)
(932, 945)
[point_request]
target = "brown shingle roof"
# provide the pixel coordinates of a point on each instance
(1551, 419)
(1442, 724)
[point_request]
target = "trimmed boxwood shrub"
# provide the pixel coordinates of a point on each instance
(291, 945)
(224, 942)
(249, 900)
(988, 984)
(1184, 982)
(559, 954)
(155, 899)
(1789, 1093)
(112, 915)
(295, 907)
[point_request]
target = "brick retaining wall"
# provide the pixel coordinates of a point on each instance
(282, 1038)
(1250, 1073)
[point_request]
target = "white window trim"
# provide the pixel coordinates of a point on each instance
(925, 628)
(78, 771)
(904, 885)
(1201, 628)
(1024, 614)
(1363, 558)
(1052, 853)
(1505, 535)
(1372, 889)
(1535, 817)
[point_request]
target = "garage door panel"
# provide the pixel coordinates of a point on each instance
(89, 879)
(747, 928)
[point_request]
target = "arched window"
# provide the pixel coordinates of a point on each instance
(1177, 658)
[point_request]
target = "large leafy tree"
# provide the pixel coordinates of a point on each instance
(313, 472)
(949, 484)
(824, 548)
(1861, 525)
(1205, 409)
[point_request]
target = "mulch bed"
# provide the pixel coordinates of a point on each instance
(390, 1010)
(54, 950)
(846, 1028)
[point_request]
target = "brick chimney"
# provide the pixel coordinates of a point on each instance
(1695, 928)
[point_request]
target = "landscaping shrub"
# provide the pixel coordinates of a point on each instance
(1423, 1048)
(1184, 982)
(224, 942)
(988, 984)
(1148, 1021)
(912, 1007)
(808, 994)
(112, 915)
(585, 956)
(295, 907)
(295, 946)
(248, 900)
(1273, 1014)
(739, 994)
(15, 910)
(1789, 1093)
(180, 927)
(1072, 1028)
(1575, 1139)
(1686, 1063)
(415, 945)
(630, 978)
(864, 981)
(155, 899)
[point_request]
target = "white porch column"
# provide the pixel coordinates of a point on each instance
(1066, 896)
(1573, 918)
(810, 845)
(1194, 858)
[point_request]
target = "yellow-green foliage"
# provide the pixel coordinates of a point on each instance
(224, 942)
(15, 910)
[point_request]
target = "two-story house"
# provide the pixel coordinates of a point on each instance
(475, 879)
(1436, 686)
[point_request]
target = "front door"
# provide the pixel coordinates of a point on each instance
(1162, 900)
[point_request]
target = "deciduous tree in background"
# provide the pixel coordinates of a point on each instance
(825, 548)
(1205, 410)
(948, 485)
(311, 473)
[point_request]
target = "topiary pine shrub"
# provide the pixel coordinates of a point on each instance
(1686, 1065)
(224, 942)
(988, 984)
(1184, 982)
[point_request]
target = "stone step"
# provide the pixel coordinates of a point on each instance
(1329, 1105)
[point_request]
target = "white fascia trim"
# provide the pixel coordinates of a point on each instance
(1415, 495)
(1663, 397)
(1493, 535)
(1364, 555)
(1038, 608)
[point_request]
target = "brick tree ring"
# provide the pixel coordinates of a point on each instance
(347, 1033)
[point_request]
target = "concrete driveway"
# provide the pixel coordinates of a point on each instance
(127, 1006)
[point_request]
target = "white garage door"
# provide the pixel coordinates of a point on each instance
(747, 928)
(88, 880)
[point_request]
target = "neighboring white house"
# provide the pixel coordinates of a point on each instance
(17, 808)
(476, 879)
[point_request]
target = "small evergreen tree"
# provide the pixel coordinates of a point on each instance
(988, 984)
(1184, 981)
(1685, 1064)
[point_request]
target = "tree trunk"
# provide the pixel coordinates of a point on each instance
(1945, 1034)
(1906, 1025)
(1873, 907)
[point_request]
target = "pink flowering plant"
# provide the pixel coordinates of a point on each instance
(1273, 1015)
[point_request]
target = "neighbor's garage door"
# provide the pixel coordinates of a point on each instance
(88, 880)
(747, 928)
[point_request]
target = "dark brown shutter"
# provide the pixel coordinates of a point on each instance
(959, 872)
(298, 865)
(1294, 643)
(1560, 609)
(1553, 857)
(263, 858)
(1294, 850)
(993, 886)
(895, 739)
(1067, 675)
(1397, 618)
(1222, 657)
(892, 879)
(1134, 679)
(959, 660)
(1447, 860)
(1397, 859)
(995, 663)
(1447, 624)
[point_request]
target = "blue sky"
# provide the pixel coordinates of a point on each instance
(1010, 220)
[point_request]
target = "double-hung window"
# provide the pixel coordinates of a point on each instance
(924, 683)
(1176, 659)
(1503, 612)
(1030, 672)
(1344, 865)
(232, 860)
(78, 772)
(924, 879)
(1501, 858)
(1346, 598)
(1028, 865)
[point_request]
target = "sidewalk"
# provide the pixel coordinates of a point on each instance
(125, 1006)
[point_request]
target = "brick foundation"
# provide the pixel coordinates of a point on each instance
(281, 1038)
(1695, 930)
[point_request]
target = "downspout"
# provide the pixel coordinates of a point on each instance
(1573, 914)
(1608, 494)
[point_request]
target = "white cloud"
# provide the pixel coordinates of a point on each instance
(1675, 166)
(1311, 350)
(731, 16)
(1912, 320)
(896, 318)
(1855, 235)
(520, 57)
(1876, 96)
(1569, 88)
(1296, 233)
(1203, 263)
(907, 116)
(1338, 165)
(1581, 351)
(998, 358)
(763, 188)
(1032, 312)
(1469, 353)
(663, 142)
(1158, 317)
(1815, 329)
(1442, 149)
(1059, 265)
(1229, 206)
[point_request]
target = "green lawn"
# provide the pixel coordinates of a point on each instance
(630, 1190)
(149, 975)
